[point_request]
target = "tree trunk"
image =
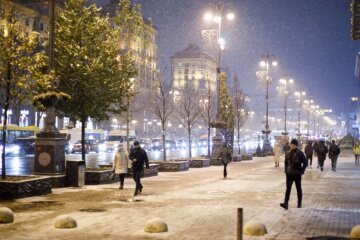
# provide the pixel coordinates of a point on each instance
(208, 141)
(238, 135)
(83, 122)
(3, 170)
(6, 108)
(189, 133)
(164, 140)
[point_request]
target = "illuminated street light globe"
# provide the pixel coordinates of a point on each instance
(274, 63)
(208, 16)
(230, 16)
(217, 19)
(262, 63)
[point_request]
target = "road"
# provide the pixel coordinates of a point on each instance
(16, 165)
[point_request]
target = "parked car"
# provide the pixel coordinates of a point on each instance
(25, 145)
(181, 144)
(157, 144)
(90, 146)
(146, 144)
(170, 145)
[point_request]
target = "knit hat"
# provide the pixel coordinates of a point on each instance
(295, 142)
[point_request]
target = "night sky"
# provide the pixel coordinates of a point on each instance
(310, 39)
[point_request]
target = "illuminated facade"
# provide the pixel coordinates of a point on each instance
(193, 68)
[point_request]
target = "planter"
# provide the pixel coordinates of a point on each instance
(215, 162)
(37, 185)
(100, 176)
(173, 166)
(200, 163)
(242, 157)
(151, 172)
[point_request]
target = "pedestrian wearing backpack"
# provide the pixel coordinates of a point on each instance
(309, 152)
(322, 150)
(334, 152)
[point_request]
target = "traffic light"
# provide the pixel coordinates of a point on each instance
(355, 19)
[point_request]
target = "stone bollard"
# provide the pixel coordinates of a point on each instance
(355, 232)
(65, 222)
(254, 228)
(155, 225)
(6, 215)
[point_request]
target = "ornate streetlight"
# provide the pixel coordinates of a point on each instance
(299, 94)
(285, 81)
(208, 35)
(308, 108)
(266, 61)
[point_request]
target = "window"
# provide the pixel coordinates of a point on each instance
(41, 27)
(186, 65)
(27, 21)
(193, 71)
(186, 71)
(179, 71)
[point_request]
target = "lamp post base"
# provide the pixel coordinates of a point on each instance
(216, 150)
(266, 149)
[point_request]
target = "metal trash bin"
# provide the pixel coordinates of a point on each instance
(75, 173)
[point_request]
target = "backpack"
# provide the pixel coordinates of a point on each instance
(322, 149)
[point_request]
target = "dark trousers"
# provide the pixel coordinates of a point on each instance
(122, 178)
(137, 179)
(289, 181)
(321, 162)
(225, 171)
(357, 159)
(309, 158)
(333, 162)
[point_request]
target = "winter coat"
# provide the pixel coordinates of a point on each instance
(286, 148)
(315, 147)
(309, 150)
(138, 157)
(334, 150)
(322, 150)
(225, 155)
(120, 163)
(356, 150)
(295, 162)
(277, 153)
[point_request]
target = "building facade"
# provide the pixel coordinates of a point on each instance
(193, 68)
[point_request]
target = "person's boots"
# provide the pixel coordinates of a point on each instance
(136, 193)
(299, 205)
(284, 205)
(140, 189)
(121, 187)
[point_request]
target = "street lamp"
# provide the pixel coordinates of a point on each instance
(308, 108)
(299, 94)
(265, 62)
(217, 18)
(285, 81)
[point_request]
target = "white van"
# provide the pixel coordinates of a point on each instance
(116, 137)
(74, 135)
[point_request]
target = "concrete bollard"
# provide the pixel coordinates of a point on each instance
(254, 228)
(155, 225)
(65, 222)
(6, 215)
(355, 232)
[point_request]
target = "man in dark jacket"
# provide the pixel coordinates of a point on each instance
(309, 152)
(322, 150)
(138, 158)
(334, 152)
(295, 165)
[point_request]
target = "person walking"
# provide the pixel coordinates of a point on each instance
(295, 166)
(225, 156)
(322, 150)
(315, 147)
(286, 147)
(309, 152)
(138, 158)
(356, 151)
(277, 154)
(120, 164)
(334, 152)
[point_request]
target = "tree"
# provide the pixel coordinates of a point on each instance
(87, 64)
(21, 69)
(208, 113)
(188, 111)
(240, 109)
(161, 105)
(226, 110)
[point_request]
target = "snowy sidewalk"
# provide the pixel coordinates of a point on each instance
(199, 204)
